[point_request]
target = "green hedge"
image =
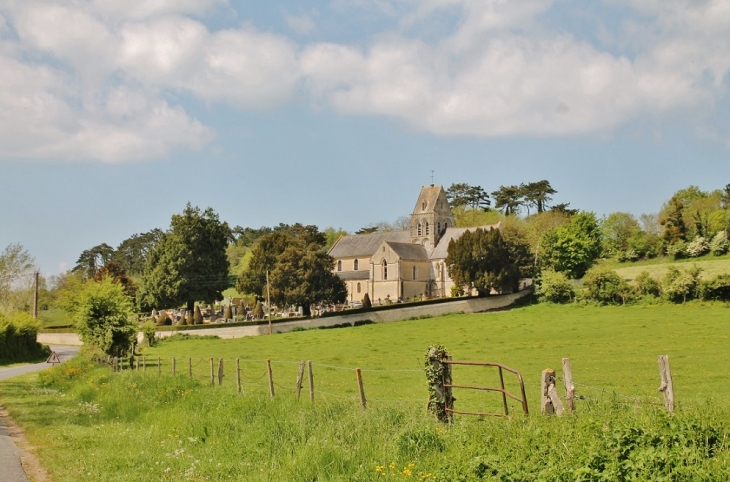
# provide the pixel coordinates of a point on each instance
(18, 339)
(227, 325)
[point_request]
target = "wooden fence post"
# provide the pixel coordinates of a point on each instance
(666, 387)
(238, 374)
(173, 366)
(212, 375)
(271, 378)
(569, 386)
(358, 374)
(300, 377)
(551, 404)
(159, 365)
(190, 367)
(311, 382)
(220, 371)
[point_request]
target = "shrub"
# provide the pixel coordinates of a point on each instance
(18, 339)
(104, 317)
(680, 286)
(258, 310)
(198, 316)
(189, 319)
(148, 329)
(646, 285)
(719, 244)
(605, 286)
(697, 247)
(183, 320)
(717, 288)
(677, 250)
(628, 255)
(162, 319)
(366, 303)
(554, 286)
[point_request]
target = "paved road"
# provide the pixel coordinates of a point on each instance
(10, 468)
(63, 352)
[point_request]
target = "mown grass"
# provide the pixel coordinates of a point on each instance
(710, 269)
(91, 424)
(614, 348)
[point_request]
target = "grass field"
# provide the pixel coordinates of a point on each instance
(610, 347)
(710, 268)
(90, 424)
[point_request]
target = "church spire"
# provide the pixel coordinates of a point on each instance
(431, 216)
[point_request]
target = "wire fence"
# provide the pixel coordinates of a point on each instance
(381, 386)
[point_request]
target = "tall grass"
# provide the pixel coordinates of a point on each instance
(94, 425)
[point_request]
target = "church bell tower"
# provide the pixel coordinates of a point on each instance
(431, 216)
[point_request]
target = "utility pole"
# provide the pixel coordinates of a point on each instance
(35, 297)
(268, 299)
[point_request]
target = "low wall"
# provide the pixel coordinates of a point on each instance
(59, 339)
(470, 305)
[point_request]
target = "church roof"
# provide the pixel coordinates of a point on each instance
(409, 251)
(441, 250)
(365, 245)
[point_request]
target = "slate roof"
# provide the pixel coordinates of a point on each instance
(441, 251)
(409, 251)
(365, 245)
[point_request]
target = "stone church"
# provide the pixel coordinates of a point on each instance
(400, 265)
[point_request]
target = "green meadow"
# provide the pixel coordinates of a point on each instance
(90, 424)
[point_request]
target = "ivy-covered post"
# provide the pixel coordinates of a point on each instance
(438, 374)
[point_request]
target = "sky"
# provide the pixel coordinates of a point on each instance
(115, 114)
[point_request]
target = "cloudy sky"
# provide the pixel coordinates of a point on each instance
(114, 114)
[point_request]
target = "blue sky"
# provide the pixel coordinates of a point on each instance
(115, 114)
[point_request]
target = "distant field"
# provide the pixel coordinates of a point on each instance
(54, 317)
(710, 268)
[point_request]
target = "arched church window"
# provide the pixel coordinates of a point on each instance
(385, 269)
(356, 266)
(339, 266)
(414, 272)
(358, 287)
(419, 229)
(427, 230)
(446, 225)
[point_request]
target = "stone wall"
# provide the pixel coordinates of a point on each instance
(471, 305)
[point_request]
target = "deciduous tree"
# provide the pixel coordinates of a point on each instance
(300, 270)
(573, 247)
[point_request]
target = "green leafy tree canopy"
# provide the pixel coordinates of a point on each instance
(189, 263)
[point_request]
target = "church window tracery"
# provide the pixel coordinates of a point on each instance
(385, 269)
(419, 229)
(356, 266)
(414, 272)
(339, 266)
(427, 230)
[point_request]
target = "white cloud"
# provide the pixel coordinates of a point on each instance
(496, 75)
(90, 79)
